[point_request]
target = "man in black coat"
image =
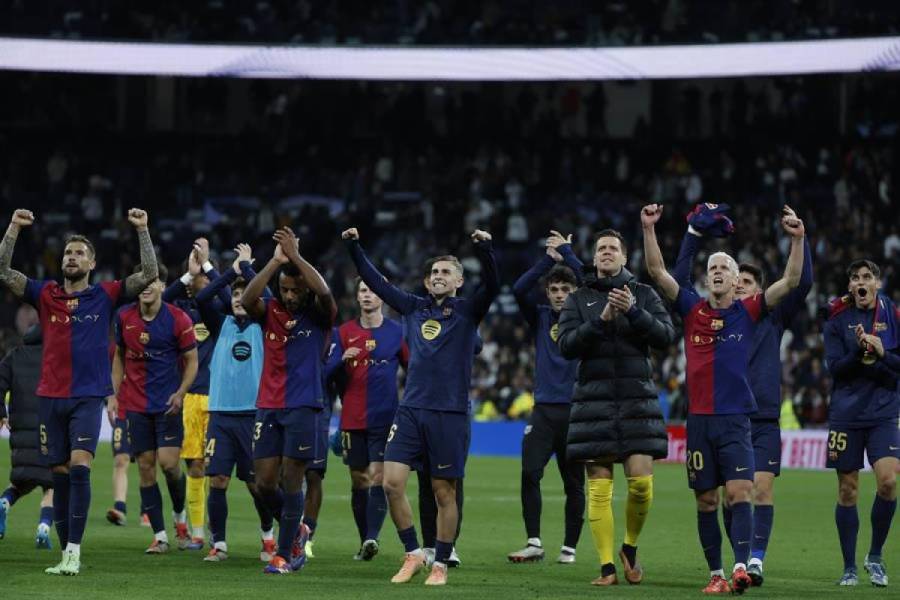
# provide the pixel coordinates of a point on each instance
(19, 374)
(610, 325)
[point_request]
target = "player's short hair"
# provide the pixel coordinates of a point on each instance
(561, 274)
(357, 281)
(732, 264)
(77, 237)
(289, 270)
(239, 284)
(161, 268)
(611, 233)
(856, 265)
(443, 258)
(755, 272)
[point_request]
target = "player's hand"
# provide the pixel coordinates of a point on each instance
(244, 253)
(289, 243)
(350, 353)
(874, 344)
(554, 254)
(792, 225)
(350, 234)
(650, 214)
(609, 312)
(22, 218)
(112, 409)
(479, 235)
(195, 265)
(176, 401)
(201, 246)
(622, 300)
(138, 218)
(556, 239)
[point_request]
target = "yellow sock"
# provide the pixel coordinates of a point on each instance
(600, 515)
(196, 500)
(637, 507)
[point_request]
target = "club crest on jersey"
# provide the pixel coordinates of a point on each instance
(371, 344)
(72, 303)
(431, 329)
(717, 324)
(554, 332)
(201, 332)
(879, 327)
(290, 324)
(144, 337)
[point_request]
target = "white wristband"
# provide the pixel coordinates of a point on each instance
(207, 267)
(187, 278)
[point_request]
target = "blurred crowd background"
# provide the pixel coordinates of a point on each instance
(417, 167)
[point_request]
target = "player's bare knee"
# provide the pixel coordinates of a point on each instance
(848, 490)
(887, 486)
(708, 501)
(195, 468)
(219, 482)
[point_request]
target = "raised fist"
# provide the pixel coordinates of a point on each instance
(650, 214)
(350, 234)
(23, 218)
(480, 235)
(137, 217)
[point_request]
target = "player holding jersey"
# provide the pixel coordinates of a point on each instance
(718, 335)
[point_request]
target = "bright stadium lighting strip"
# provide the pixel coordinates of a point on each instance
(452, 64)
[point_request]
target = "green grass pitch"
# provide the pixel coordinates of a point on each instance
(803, 559)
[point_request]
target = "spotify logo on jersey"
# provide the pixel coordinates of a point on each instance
(241, 351)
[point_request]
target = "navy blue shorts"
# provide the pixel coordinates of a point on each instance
(846, 446)
(152, 431)
(766, 437)
(320, 464)
(435, 441)
(363, 446)
(229, 440)
(719, 449)
(120, 442)
(290, 432)
(69, 424)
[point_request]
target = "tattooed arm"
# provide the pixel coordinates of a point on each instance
(11, 278)
(136, 283)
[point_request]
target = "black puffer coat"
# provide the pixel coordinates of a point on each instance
(19, 375)
(615, 409)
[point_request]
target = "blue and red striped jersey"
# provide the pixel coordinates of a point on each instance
(370, 396)
(151, 350)
(717, 344)
(294, 347)
(75, 362)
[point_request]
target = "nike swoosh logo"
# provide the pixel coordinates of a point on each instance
(353, 339)
(894, 447)
(445, 466)
(321, 460)
(702, 314)
(592, 303)
(130, 326)
(304, 448)
(81, 439)
(739, 469)
(169, 438)
(773, 462)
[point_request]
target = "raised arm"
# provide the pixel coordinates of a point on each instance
(325, 303)
(777, 292)
(650, 214)
(524, 286)
(793, 303)
(684, 264)
(12, 279)
(401, 301)
(490, 275)
(251, 299)
(136, 283)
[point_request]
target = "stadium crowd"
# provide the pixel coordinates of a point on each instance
(498, 22)
(425, 164)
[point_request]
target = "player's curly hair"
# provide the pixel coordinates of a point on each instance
(561, 274)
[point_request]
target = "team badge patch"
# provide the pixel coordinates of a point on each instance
(371, 344)
(72, 303)
(144, 337)
(554, 332)
(201, 332)
(290, 324)
(431, 329)
(879, 327)
(717, 324)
